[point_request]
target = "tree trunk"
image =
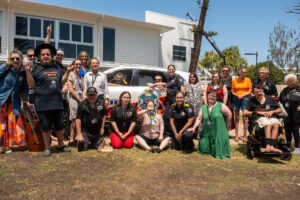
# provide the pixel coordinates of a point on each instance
(198, 37)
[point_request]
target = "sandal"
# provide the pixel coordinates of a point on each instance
(245, 139)
(105, 149)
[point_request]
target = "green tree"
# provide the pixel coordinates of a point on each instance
(275, 74)
(212, 61)
(284, 48)
(234, 58)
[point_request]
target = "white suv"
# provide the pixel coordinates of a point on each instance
(137, 77)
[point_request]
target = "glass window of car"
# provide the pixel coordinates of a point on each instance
(127, 76)
(147, 76)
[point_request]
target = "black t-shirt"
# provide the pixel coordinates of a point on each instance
(91, 117)
(269, 87)
(48, 87)
(181, 115)
(62, 67)
(269, 104)
(173, 86)
(123, 117)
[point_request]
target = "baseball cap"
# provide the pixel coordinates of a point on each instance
(91, 91)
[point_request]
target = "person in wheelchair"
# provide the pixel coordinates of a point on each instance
(266, 109)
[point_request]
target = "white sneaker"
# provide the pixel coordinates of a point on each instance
(296, 151)
(7, 150)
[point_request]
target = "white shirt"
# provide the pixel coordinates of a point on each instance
(99, 82)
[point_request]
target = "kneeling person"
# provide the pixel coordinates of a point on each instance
(152, 130)
(266, 108)
(181, 120)
(90, 120)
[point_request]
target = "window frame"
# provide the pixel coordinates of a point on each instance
(56, 39)
(183, 58)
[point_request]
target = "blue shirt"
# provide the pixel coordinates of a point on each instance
(14, 84)
(82, 72)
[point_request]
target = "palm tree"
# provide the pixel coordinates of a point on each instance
(198, 36)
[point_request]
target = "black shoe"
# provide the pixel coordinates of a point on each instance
(72, 144)
(63, 149)
(188, 151)
(157, 150)
(47, 152)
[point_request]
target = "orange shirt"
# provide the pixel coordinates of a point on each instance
(241, 87)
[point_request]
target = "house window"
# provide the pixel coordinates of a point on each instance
(21, 25)
(24, 44)
(72, 37)
(64, 31)
(35, 27)
(87, 34)
(179, 53)
(69, 49)
(76, 33)
(108, 44)
(46, 24)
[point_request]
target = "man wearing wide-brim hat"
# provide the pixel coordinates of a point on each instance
(47, 77)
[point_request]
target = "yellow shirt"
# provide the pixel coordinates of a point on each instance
(241, 87)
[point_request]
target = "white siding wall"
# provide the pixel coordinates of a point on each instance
(181, 36)
(134, 43)
(137, 46)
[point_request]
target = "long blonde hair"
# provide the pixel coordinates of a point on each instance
(88, 57)
(9, 63)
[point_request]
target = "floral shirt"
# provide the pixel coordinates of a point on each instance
(194, 96)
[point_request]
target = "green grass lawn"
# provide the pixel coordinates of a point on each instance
(137, 174)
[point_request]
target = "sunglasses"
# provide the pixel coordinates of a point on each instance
(15, 59)
(30, 56)
(157, 79)
(225, 71)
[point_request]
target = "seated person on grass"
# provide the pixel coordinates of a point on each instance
(90, 120)
(152, 130)
(266, 108)
(118, 81)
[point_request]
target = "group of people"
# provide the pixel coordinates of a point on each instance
(84, 90)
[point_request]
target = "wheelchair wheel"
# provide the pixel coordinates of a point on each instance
(286, 157)
(250, 154)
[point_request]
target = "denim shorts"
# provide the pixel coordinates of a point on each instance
(240, 104)
(51, 120)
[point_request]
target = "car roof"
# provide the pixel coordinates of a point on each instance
(185, 75)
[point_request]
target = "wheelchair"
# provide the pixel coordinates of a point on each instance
(256, 141)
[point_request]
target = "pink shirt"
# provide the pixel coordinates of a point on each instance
(148, 129)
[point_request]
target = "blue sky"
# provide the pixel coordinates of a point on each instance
(244, 23)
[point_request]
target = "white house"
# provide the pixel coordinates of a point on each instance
(114, 40)
(177, 44)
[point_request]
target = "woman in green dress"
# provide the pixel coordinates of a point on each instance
(214, 138)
